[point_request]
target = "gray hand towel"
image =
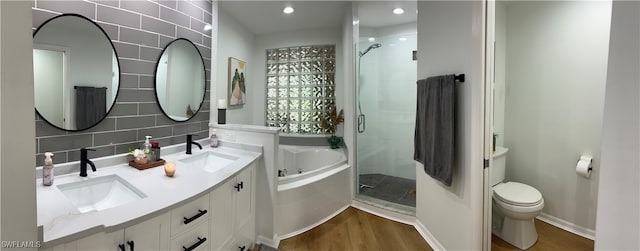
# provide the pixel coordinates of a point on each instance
(91, 106)
(435, 126)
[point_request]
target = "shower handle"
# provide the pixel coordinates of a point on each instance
(361, 123)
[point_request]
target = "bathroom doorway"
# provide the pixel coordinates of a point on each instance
(385, 105)
(547, 73)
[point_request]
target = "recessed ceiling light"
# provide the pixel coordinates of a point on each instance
(402, 39)
(398, 11)
(207, 27)
(372, 39)
(287, 10)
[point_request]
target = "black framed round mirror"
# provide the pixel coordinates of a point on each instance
(76, 72)
(180, 80)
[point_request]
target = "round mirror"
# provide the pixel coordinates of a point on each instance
(76, 73)
(180, 80)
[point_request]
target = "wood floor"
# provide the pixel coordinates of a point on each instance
(354, 229)
(549, 238)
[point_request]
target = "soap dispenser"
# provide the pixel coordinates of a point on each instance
(214, 139)
(47, 169)
(146, 147)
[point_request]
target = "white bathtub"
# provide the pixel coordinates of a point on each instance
(319, 192)
(307, 164)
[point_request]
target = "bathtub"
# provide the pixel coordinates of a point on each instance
(306, 164)
(317, 187)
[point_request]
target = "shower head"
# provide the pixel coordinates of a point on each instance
(373, 46)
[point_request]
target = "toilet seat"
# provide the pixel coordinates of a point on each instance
(517, 194)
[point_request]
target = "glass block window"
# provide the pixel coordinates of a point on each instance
(300, 87)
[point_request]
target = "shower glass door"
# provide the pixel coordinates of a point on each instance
(385, 113)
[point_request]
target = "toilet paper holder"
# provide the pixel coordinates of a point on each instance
(590, 162)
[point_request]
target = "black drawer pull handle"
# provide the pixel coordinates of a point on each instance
(242, 247)
(130, 245)
(201, 213)
(239, 186)
(121, 246)
(194, 246)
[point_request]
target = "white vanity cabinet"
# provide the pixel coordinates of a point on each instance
(152, 234)
(233, 213)
(190, 225)
(222, 218)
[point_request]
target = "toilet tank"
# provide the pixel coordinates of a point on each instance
(499, 166)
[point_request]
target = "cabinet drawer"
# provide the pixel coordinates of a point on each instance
(189, 214)
(196, 238)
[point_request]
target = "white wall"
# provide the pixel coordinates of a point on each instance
(236, 41)
(618, 219)
(556, 63)
(499, 90)
(450, 40)
(321, 36)
(17, 130)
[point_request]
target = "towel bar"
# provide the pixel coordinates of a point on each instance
(459, 78)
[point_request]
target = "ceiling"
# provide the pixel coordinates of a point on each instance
(378, 14)
(262, 17)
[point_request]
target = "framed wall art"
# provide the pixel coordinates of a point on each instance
(237, 90)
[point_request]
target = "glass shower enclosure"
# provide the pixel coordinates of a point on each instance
(385, 117)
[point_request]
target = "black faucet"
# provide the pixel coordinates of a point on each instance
(84, 160)
(189, 142)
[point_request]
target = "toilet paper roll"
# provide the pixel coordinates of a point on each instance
(583, 168)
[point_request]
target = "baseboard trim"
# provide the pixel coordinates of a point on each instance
(402, 218)
(568, 226)
(274, 243)
(323, 220)
(427, 236)
(384, 213)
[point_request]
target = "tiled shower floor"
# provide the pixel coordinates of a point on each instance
(389, 188)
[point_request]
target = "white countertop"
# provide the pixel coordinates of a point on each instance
(62, 222)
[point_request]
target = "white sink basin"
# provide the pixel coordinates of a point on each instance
(209, 161)
(100, 193)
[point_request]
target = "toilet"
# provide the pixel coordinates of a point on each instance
(515, 205)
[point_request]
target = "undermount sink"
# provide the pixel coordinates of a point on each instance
(100, 193)
(209, 161)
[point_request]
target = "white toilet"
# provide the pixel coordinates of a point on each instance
(515, 205)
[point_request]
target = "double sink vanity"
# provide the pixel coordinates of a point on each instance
(207, 205)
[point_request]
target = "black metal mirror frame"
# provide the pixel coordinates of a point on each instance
(155, 80)
(114, 52)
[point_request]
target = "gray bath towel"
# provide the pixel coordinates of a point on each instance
(91, 106)
(435, 126)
